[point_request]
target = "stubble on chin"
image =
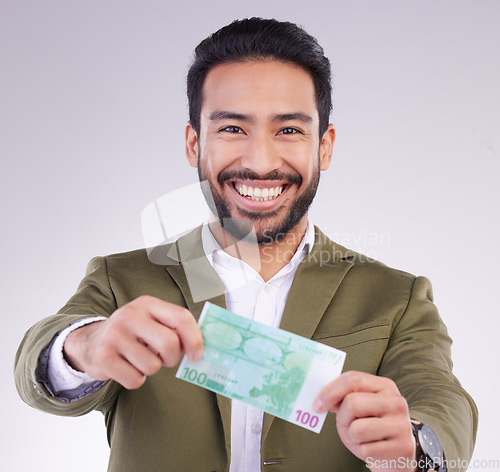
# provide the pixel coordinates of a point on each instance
(255, 225)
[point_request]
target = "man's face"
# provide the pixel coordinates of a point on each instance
(259, 146)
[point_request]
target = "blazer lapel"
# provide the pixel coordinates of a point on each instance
(317, 279)
(199, 283)
(194, 275)
(315, 283)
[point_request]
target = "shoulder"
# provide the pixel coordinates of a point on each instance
(137, 256)
(147, 270)
(367, 290)
(165, 254)
(366, 272)
(136, 260)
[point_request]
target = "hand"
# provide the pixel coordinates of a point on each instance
(135, 341)
(372, 420)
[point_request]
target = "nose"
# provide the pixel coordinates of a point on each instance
(261, 155)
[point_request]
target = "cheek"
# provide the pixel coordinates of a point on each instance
(305, 163)
(210, 168)
(219, 157)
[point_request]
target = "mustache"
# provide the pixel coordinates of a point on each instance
(248, 174)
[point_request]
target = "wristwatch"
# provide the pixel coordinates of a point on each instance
(430, 457)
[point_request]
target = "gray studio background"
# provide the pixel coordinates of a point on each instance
(92, 115)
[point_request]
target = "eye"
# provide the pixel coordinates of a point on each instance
(289, 131)
(232, 129)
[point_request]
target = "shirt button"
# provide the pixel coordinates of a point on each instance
(256, 429)
(267, 288)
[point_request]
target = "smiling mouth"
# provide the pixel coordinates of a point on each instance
(258, 194)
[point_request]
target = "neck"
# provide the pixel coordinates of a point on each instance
(266, 259)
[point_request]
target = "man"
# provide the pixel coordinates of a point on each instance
(259, 102)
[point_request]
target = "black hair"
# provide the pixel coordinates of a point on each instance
(257, 39)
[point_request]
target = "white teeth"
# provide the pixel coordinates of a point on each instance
(259, 194)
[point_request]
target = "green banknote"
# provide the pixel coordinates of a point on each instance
(274, 370)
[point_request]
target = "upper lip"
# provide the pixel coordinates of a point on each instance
(252, 179)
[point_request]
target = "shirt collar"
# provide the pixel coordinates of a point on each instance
(211, 246)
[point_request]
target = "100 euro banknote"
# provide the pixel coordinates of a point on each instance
(271, 369)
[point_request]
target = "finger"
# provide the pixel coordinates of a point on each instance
(332, 395)
(179, 319)
(162, 341)
(121, 371)
(368, 430)
(127, 375)
(141, 357)
(363, 405)
(398, 449)
(166, 345)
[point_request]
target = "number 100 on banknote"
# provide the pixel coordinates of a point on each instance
(271, 369)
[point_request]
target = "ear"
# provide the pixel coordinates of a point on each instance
(326, 147)
(191, 145)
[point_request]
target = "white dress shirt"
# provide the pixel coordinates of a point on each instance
(248, 295)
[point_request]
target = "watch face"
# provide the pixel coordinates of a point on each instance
(430, 444)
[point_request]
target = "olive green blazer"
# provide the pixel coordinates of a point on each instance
(384, 319)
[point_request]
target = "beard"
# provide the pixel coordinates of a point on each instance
(242, 226)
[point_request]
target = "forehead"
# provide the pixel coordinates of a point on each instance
(259, 88)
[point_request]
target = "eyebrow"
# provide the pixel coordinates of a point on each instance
(297, 116)
(220, 115)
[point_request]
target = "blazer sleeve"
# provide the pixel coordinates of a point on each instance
(418, 359)
(93, 297)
